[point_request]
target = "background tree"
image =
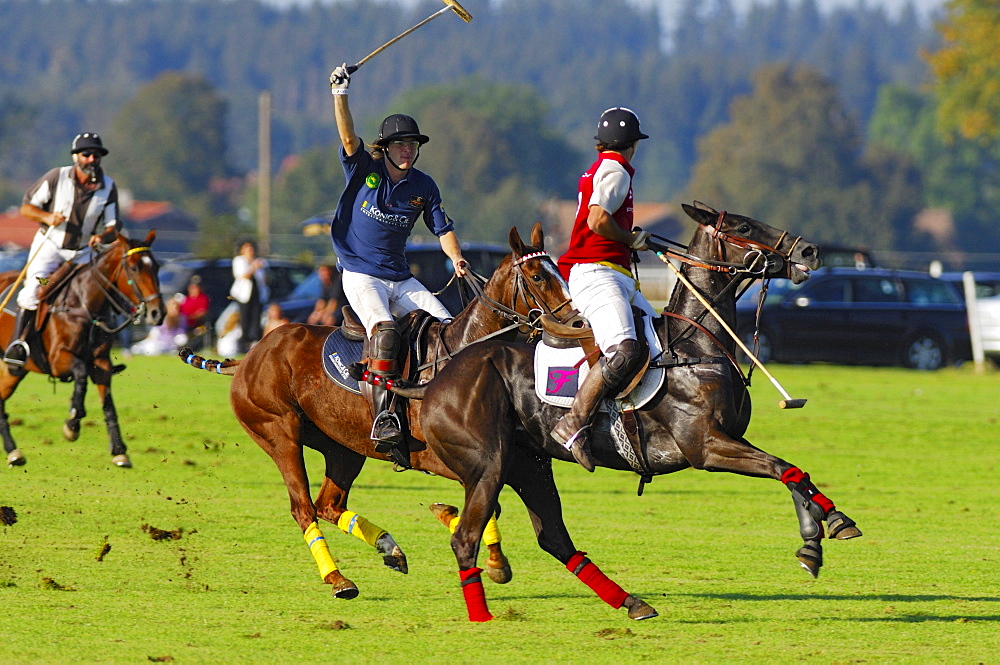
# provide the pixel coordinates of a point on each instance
(491, 153)
(172, 138)
(967, 69)
(791, 156)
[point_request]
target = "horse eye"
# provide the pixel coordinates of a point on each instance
(537, 278)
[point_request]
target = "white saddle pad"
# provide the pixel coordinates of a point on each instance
(557, 377)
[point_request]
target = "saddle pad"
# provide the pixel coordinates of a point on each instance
(556, 380)
(338, 354)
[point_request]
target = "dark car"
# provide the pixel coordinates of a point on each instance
(869, 317)
(217, 278)
(428, 264)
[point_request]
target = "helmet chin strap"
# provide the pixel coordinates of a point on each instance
(385, 153)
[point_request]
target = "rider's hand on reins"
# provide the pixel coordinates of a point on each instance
(639, 238)
(461, 266)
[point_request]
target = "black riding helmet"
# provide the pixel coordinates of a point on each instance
(619, 127)
(399, 127)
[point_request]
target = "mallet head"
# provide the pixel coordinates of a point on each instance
(459, 9)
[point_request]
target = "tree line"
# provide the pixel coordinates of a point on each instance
(510, 101)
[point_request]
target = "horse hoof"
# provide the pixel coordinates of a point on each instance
(499, 571)
(15, 458)
(122, 460)
(392, 555)
(810, 557)
(71, 430)
(841, 526)
(397, 561)
(639, 609)
(444, 513)
(345, 589)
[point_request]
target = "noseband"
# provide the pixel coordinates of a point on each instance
(136, 303)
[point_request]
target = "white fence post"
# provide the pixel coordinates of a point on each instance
(975, 333)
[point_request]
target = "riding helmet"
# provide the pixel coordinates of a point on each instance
(398, 127)
(619, 126)
(88, 141)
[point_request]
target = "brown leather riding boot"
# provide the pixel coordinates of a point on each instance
(572, 429)
(387, 429)
(17, 351)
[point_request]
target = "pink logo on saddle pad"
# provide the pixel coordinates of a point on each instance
(562, 381)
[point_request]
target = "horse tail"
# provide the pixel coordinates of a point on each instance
(227, 366)
(408, 389)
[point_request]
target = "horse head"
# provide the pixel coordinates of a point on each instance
(133, 271)
(762, 250)
(528, 281)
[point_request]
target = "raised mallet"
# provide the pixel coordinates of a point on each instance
(449, 4)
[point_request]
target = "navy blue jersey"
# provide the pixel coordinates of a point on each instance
(375, 218)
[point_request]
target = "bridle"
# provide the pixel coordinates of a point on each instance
(133, 305)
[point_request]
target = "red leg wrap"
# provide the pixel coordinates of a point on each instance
(591, 575)
(796, 476)
(475, 597)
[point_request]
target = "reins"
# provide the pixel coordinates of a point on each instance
(521, 291)
(135, 308)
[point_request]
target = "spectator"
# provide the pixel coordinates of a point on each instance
(275, 317)
(194, 309)
(326, 312)
(166, 337)
(250, 291)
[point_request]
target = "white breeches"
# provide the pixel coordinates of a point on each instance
(604, 297)
(374, 299)
(47, 257)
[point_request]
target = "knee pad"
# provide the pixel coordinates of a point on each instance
(623, 361)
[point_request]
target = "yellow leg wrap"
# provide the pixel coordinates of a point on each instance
(491, 534)
(355, 525)
(317, 545)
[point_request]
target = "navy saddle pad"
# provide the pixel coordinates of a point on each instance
(338, 354)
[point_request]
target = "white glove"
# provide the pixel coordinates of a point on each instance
(340, 80)
(639, 239)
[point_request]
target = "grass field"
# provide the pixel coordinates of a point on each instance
(913, 457)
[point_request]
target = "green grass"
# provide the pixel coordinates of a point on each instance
(911, 456)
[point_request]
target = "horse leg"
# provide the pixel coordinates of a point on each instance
(497, 564)
(7, 385)
(342, 467)
(720, 452)
(77, 410)
(531, 477)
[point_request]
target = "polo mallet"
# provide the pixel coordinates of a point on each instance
(24, 271)
(788, 402)
(449, 4)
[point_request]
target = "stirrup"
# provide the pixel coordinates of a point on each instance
(22, 349)
(387, 432)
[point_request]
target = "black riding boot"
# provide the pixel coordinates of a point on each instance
(387, 431)
(17, 351)
(612, 375)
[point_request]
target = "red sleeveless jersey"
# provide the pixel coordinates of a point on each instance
(585, 246)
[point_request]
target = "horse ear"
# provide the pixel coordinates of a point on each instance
(537, 237)
(514, 238)
(150, 237)
(700, 212)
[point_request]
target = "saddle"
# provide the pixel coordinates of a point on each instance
(57, 281)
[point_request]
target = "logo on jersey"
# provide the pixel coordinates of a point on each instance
(373, 180)
(418, 201)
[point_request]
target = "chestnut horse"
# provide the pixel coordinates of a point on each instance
(74, 340)
(283, 399)
(481, 415)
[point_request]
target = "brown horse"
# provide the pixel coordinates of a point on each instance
(481, 415)
(285, 402)
(72, 340)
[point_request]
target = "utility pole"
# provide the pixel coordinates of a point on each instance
(264, 172)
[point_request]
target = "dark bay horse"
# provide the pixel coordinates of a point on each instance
(73, 341)
(283, 399)
(481, 415)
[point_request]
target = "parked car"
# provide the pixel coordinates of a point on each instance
(989, 326)
(427, 262)
(987, 283)
(873, 317)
